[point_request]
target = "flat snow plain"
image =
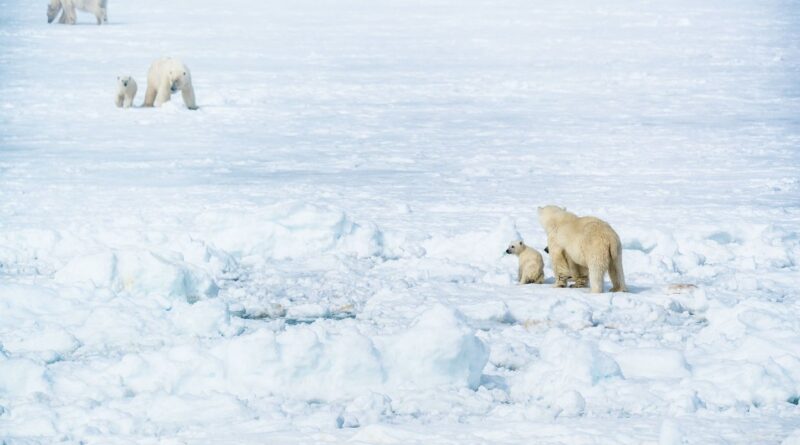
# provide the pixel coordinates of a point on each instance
(316, 254)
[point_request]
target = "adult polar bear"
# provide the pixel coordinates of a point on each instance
(165, 77)
(68, 16)
(577, 244)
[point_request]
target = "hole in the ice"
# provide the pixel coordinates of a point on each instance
(794, 400)
(722, 238)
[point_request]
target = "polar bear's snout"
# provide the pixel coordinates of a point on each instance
(52, 11)
(515, 247)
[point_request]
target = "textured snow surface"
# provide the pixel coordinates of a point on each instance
(316, 255)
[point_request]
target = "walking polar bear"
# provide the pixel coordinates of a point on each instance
(68, 15)
(531, 265)
(582, 245)
(165, 77)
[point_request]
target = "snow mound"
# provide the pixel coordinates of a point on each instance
(477, 247)
(567, 364)
(652, 363)
(290, 230)
(439, 349)
(318, 361)
(138, 272)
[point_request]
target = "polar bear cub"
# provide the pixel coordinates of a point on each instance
(68, 16)
(126, 91)
(582, 244)
(165, 77)
(531, 265)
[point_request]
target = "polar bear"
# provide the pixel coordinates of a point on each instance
(531, 265)
(580, 245)
(96, 7)
(126, 91)
(165, 77)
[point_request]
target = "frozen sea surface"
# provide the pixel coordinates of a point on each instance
(316, 254)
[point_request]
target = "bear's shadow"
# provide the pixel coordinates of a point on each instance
(606, 286)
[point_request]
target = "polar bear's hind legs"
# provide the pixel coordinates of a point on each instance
(616, 274)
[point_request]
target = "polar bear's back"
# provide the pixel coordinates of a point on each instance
(163, 65)
(589, 236)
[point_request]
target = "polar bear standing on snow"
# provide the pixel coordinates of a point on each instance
(68, 16)
(531, 265)
(126, 91)
(165, 77)
(577, 244)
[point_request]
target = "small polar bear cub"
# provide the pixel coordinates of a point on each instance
(581, 245)
(68, 16)
(164, 78)
(126, 91)
(531, 265)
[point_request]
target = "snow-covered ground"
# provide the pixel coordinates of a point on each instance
(316, 254)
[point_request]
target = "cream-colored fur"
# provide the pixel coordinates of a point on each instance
(581, 246)
(531, 265)
(126, 91)
(69, 16)
(165, 77)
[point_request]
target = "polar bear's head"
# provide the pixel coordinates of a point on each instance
(550, 216)
(516, 247)
(52, 10)
(179, 79)
(123, 81)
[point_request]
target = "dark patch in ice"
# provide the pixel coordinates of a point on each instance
(494, 382)
(723, 238)
(309, 320)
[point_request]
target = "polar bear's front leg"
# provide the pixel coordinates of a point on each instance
(188, 97)
(162, 95)
(149, 96)
(120, 100)
(560, 265)
(69, 16)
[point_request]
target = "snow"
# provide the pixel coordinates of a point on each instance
(316, 255)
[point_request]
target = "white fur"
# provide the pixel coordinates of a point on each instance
(69, 16)
(126, 91)
(165, 77)
(582, 245)
(531, 265)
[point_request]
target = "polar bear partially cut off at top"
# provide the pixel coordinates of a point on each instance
(165, 77)
(97, 7)
(582, 242)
